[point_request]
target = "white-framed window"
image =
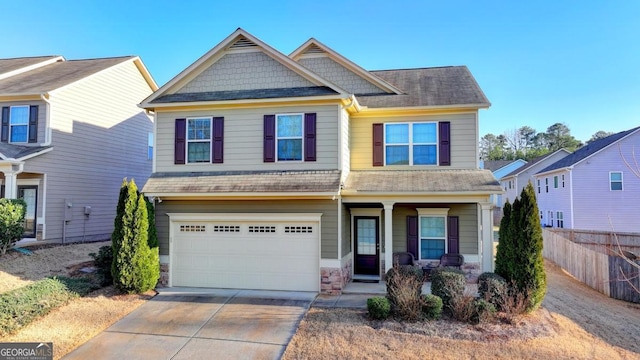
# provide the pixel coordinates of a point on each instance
(562, 180)
(432, 232)
(289, 134)
(509, 184)
(538, 186)
(150, 146)
(199, 140)
(615, 180)
(555, 182)
(560, 219)
(546, 184)
(550, 219)
(413, 143)
(19, 124)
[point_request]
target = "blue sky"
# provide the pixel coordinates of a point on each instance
(539, 62)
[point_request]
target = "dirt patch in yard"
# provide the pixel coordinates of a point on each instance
(72, 325)
(575, 322)
(17, 269)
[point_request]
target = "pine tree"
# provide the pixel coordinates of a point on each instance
(116, 235)
(153, 234)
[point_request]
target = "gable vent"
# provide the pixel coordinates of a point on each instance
(242, 43)
(314, 49)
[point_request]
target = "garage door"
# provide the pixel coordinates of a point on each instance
(267, 255)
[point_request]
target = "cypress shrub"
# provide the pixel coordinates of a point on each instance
(116, 235)
(504, 241)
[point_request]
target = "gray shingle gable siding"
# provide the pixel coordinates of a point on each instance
(55, 75)
(246, 94)
(587, 150)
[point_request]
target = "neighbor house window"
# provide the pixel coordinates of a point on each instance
(538, 186)
(550, 219)
(562, 180)
(411, 144)
(199, 140)
(615, 180)
(560, 219)
(432, 233)
(546, 184)
(19, 124)
(555, 182)
(289, 132)
(150, 146)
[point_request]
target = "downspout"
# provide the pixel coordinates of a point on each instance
(47, 121)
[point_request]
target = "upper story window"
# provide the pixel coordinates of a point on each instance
(289, 135)
(615, 180)
(555, 182)
(538, 186)
(19, 124)
(562, 180)
(546, 184)
(411, 144)
(199, 140)
(150, 146)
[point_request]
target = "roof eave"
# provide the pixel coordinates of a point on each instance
(152, 106)
(199, 195)
(347, 192)
(426, 108)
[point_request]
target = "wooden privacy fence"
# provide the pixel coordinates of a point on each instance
(598, 269)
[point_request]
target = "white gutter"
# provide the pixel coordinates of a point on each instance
(163, 196)
(413, 193)
(147, 105)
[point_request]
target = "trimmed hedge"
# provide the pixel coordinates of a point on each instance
(447, 283)
(21, 306)
(493, 288)
(379, 307)
(431, 307)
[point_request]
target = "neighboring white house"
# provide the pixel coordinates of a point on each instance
(514, 182)
(71, 130)
(500, 168)
(593, 188)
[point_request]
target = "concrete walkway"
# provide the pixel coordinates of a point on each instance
(203, 324)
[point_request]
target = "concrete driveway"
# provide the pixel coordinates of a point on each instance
(182, 323)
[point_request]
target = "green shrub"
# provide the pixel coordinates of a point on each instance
(493, 288)
(136, 267)
(447, 283)
(78, 286)
(483, 311)
(21, 306)
(431, 307)
(103, 260)
(11, 222)
(404, 287)
(379, 307)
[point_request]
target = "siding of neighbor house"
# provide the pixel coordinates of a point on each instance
(339, 75)
(594, 203)
(245, 71)
(329, 220)
(243, 139)
(464, 152)
(99, 137)
(42, 117)
(556, 199)
(468, 216)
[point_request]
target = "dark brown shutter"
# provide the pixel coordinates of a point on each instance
(310, 137)
(33, 123)
(269, 151)
(453, 235)
(5, 124)
(217, 143)
(445, 143)
(180, 138)
(378, 145)
(412, 235)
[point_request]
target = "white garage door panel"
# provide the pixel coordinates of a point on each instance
(282, 255)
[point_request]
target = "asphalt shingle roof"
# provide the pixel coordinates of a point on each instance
(12, 151)
(494, 165)
(530, 164)
(7, 65)
(246, 94)
(423, 181)
(244, 181)
(438, 86)
(56, 75)
(587, 150)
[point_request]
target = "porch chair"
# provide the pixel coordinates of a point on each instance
(403, 258)
(451, 260)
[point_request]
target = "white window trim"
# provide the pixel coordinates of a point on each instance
(621, 180)
(187, 141)
(434, 212)
(410, 144)
(301, 137)
(559, 219)
(11, 125)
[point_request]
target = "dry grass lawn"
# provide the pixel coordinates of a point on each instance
(574, 323)
(73, 324)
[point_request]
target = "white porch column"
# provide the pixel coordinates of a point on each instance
(10, 185)
(388, 235)
(487, 237)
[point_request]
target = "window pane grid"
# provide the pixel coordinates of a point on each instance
(432, 237)
(19, 122)
(199, 140)
(615, 180)
(289, 131)
(411, 144)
